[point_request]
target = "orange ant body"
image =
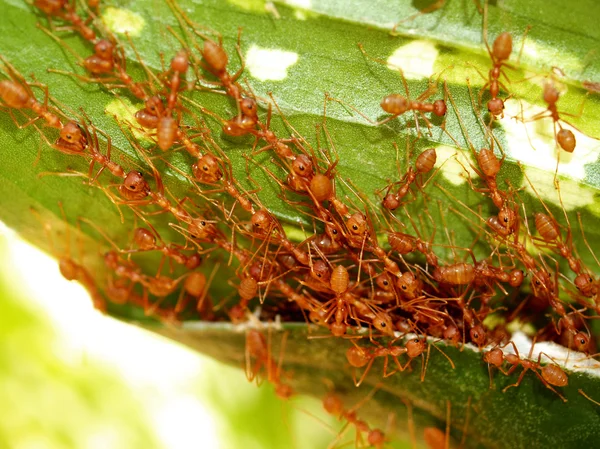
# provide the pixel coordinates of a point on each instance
(65, 10)
(499, 54)
(258, 348)
(17, 94)
(108, 59)
(146, 241)
(424, 164)
(69, 269)
(564, 137)
(359, 357)
(548, 230)
(335, 407)
(550, 375)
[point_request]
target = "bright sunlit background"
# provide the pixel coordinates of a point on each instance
(73, 378)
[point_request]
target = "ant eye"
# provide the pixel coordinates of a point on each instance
(404, 287)
(334, 231)
(355, 227)
(382, 324)
(203, 223)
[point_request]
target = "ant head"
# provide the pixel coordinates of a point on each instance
(391, 201)
(452, 333)
(581, 341)
(383, 323)
(261, 220)
(585, 284)
(303, 166)
(409, 285)
(200, 229)
(338, 329)
(318, 316)
(72, 132)
(332, 403)
(551, 93)
(507, 217)
(357, 224)
(193, 261)
(111, 260)
(516, 277)
(494, 357)
(415, 347)
(104, 49)
(248, 107)
(495, 106)
(384, 281)
(320, 270)
(135, 182)
(357, 356)
(207, 169)
(154, 105)
(68, 269)
(478, 335)
(180, 62)
(144, 239)
(439, 108)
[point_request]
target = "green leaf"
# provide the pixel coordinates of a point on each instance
(324, 39)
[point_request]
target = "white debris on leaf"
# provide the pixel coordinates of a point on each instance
(124, 111)
(416, 59)
(122, 21)
(267, 64)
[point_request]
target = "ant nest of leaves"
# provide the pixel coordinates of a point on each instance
(381, 270)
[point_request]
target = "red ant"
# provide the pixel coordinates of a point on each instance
(359, 357)
(66, 11)
(550, 375)
(17, 94)
(564, 137)
(335, 407)
(214, 56)
(423, 164)
(108, 59)
(257, 348)
(69, 269)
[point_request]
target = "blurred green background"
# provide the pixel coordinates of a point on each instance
(72, 378)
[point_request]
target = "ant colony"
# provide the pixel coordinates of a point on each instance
(205, 176)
